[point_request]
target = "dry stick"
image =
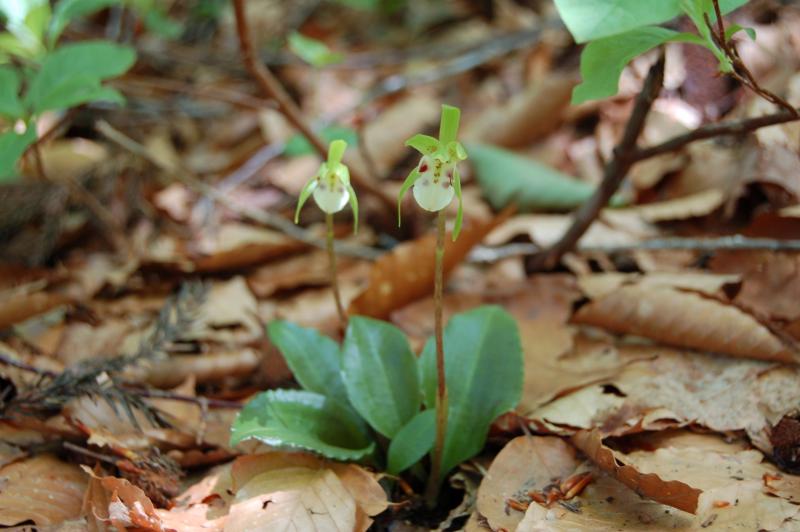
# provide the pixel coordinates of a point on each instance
(262, 217)
(273, 89)
(432, 489)
(615, 170)
(332, 263)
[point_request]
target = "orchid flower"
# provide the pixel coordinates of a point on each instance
(436, 178)
(331, 186)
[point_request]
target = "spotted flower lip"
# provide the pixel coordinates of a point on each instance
(436, 179)
(331, 186)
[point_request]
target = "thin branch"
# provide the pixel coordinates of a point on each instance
(615, 170)
(185, 176)
(486, 254)
(732, 127)
(273, 89)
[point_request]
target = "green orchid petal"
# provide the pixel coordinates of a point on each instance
(448, 126)
(460, 213)
(407, 184)
(308, 189)
(425, 144)
(336, 152)
(353, 200)
(456, 152)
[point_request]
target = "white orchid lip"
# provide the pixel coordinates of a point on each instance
(434, 191)
(331, 195)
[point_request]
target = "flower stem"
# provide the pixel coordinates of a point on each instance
(332, 262)
(432, 490)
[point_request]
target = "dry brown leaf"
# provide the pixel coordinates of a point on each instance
(526, 463)
(113, 503)
(406, 273)
(685, 319)
(310, 269)
(673, 492)
(229, 314)
(42, 489)
(235, 246)
(722, 393)
(545, 229)
(527, 117)
(734, 493)
(691, 206)
(214, 366)
(309, 492)
(15, 307)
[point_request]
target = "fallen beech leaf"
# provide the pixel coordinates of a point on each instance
(116, 502)
(304, 491)
(673, 493)
(722, 393)
(685, 319)
(691, 206)
(546, 229)
(237, 246)
(206, 367)
(406, 273)
(19, 308)
(526, 463)
(42, 489)
(310, 269)
(228, 314)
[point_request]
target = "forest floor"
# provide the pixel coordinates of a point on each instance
(661, 386)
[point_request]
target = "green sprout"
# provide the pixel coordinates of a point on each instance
(436, 178)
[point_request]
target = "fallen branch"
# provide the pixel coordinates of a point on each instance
(710, 245)
(273, 89)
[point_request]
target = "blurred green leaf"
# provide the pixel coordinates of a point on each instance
(413, 442)
(71, 75)
(303, 420)
(10, 105)
(733, 29)
(312, 51)
(506, 178)
(313, 358)
(299, 145)
(159, 23)
(380, 373)
(12, 146)
(594, 19)
(483, 370)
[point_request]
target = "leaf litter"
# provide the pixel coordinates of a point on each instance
(660, 387)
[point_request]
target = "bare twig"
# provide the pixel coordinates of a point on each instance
(487, 254)
(266, 218)
(615, 170)
(272, 88)
(732, 127)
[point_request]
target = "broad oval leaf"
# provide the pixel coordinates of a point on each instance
(483, 371)
(312, 51)
(12, 146)
(10, 105)
(413, 441)
(380, 373)
(313, 358)
(593, 19)
(507, 178)
(303, 420)
(72, 66)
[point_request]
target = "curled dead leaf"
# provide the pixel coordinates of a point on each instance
(406, 273)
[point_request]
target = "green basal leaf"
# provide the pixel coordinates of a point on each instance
(507, 178)
(10, 104)
(312, 51)
(303, 420)
(71, 75)
(68, 10)
(603, 60)
(160, 24)
(484, 368)
(413, 442)
(299, 145)
(380, 373)
(12, 146)
(595, 19)
(313, 358)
